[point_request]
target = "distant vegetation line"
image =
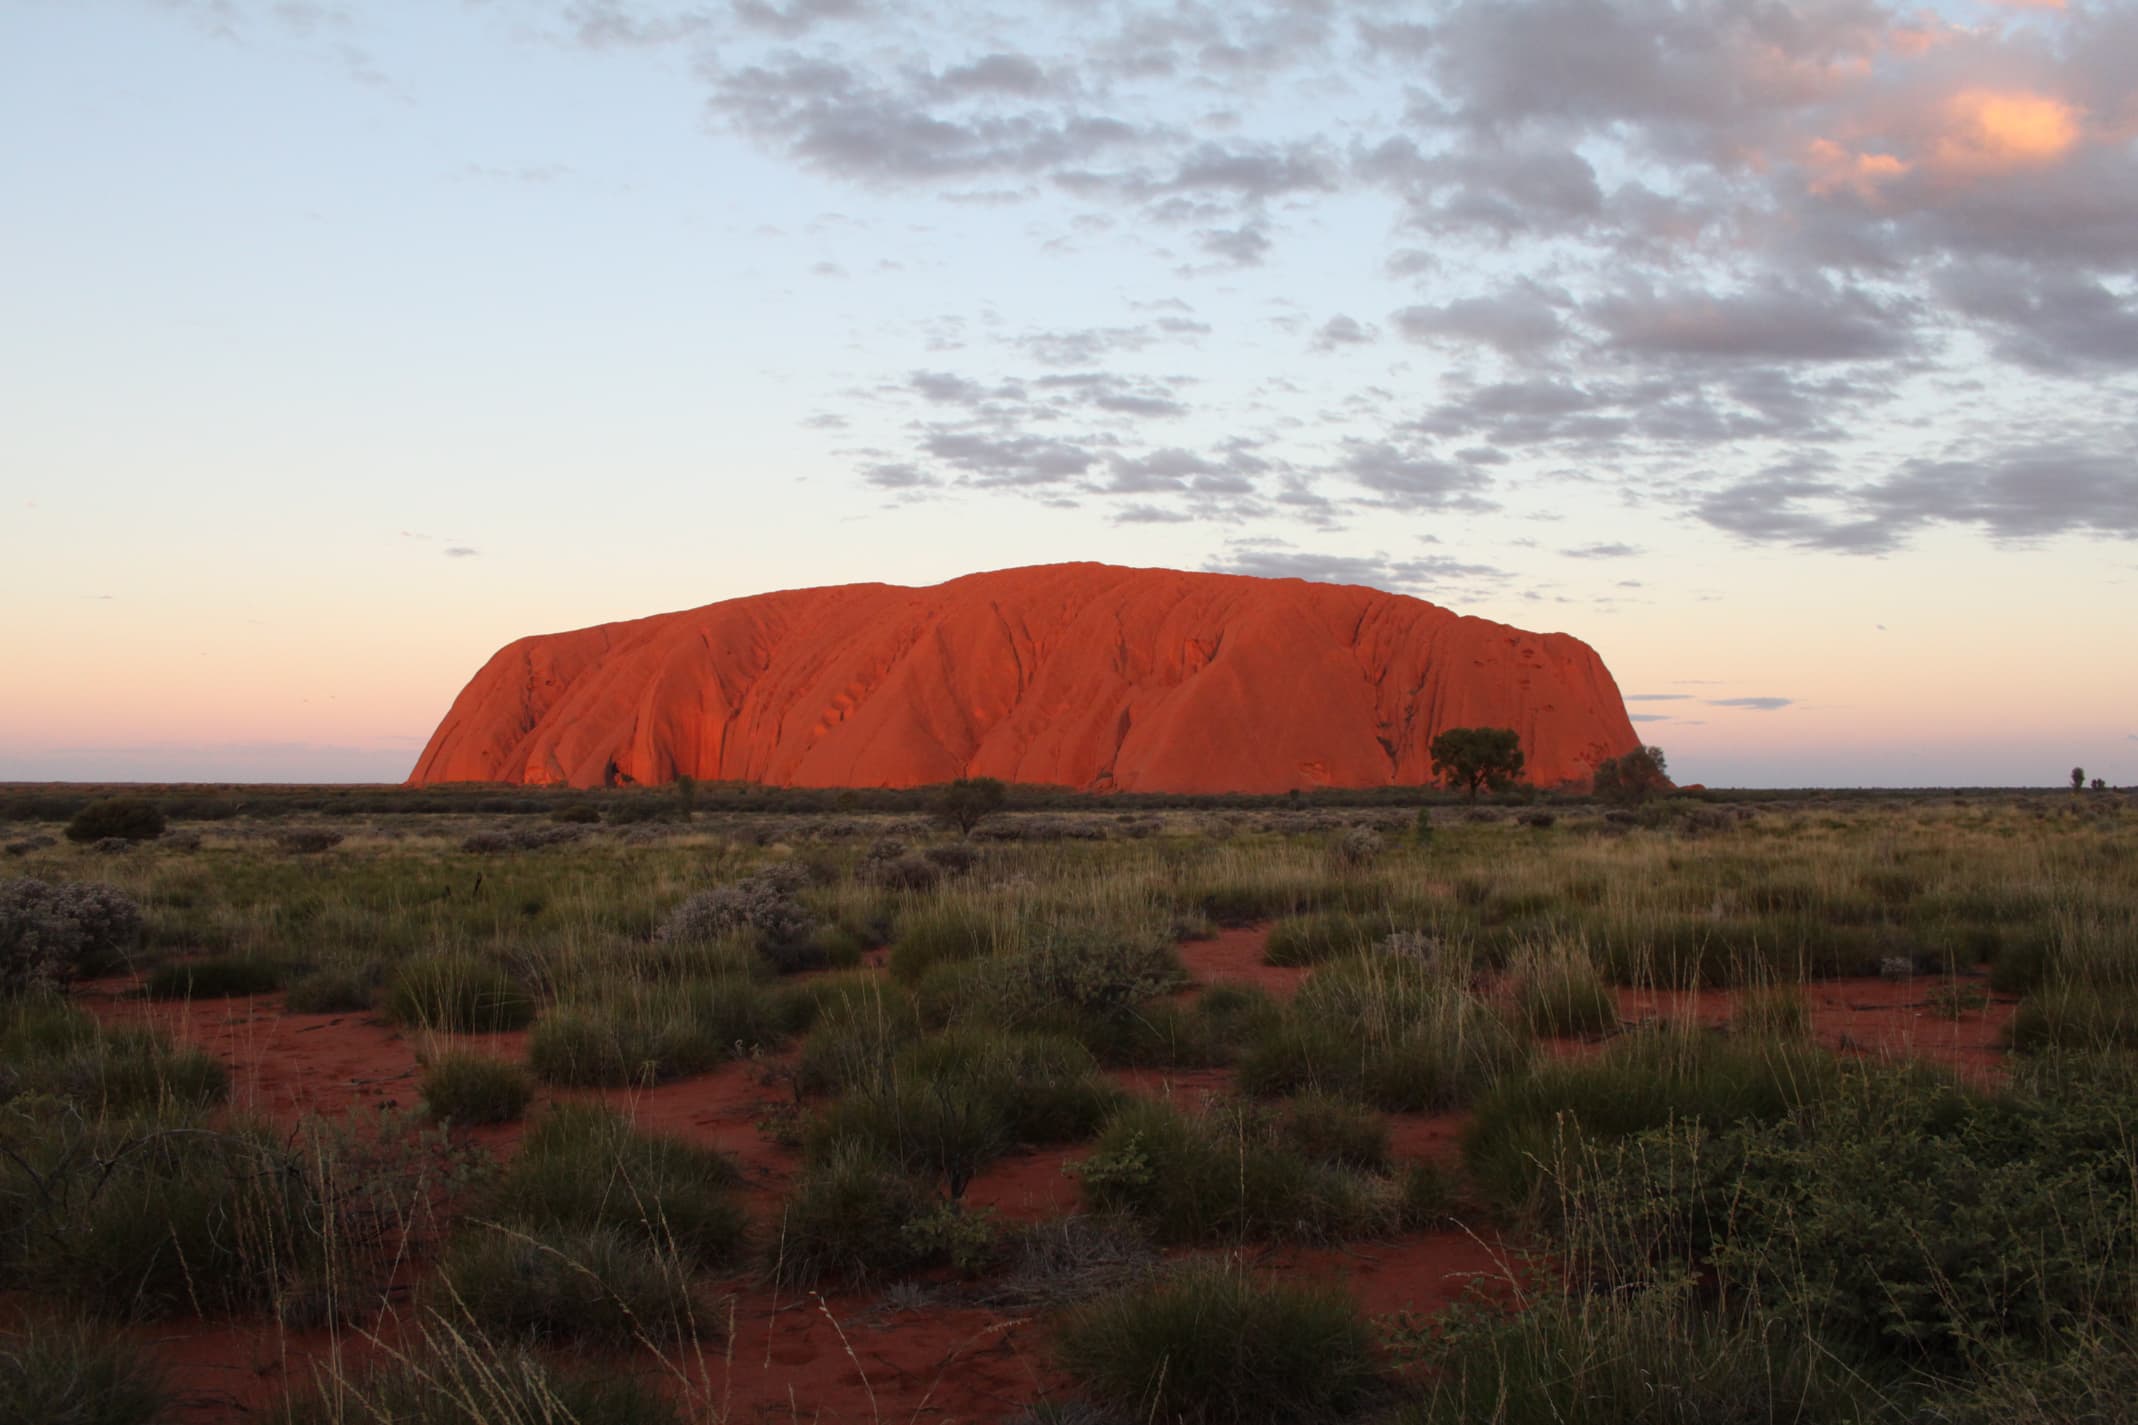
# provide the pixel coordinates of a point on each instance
(213, 801)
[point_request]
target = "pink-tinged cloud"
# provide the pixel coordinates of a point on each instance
(1991, 131)
(1833, 168)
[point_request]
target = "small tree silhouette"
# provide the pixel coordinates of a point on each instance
(1634, 777)
(1475, 758)
(2078, 778)
(968, 801)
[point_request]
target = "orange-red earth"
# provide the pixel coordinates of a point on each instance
(1080, 675)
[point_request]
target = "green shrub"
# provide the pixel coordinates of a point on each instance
(69, 1374)
(1210, 1345)
(593, 1284)
(845, 1221)
(51, 933)
(1924, 1223)
(129, 818)
(475, 1088)
(457, 993)
(584, 1167)
(217, 977)
(1092, 967)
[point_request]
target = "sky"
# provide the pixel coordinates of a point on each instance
(1787, 353)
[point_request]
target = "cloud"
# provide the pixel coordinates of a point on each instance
(1413, 479)
(1243, 246)
(1342, 331)
(460, 551)
(832, 117)
(1279, 559)
(1602, 551)
(2055, 322)
(608, 24)
(1009, 460)
(1771, 322)
(2028, 492)
(1754, 704)
(797, 16)
(1647, 717)
(1657, 697)
(1518, 321)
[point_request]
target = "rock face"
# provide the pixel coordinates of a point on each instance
(1081, 675)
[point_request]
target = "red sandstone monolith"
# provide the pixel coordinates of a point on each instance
(1080, 675)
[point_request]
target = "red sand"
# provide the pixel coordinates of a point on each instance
(845, 1357)
(1236, 956)
(1866, 1015)
(1078, 675)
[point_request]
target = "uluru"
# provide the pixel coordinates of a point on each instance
(1088, 676)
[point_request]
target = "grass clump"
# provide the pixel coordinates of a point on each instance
(1654, 1357)
(475, 1088)
(859, 1032)
(651, 1034)
(593, 1284)
(50, 1049)
(1561, 994)
(1329, 1130)
(1384, 1030)
(846, 1220)
(216, 977)
(75, 1374)
(458, 1375)
(459, 994)
(1230, 1174)
(1323, 935)
(2076, 1018)
(1210, 1345)
(1529, 1122)
(954, 1102)
(949, 932)
(583, 1167)
(144, 1219)
(339, 990)
(1772, 1013)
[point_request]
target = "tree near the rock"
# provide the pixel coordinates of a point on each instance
(2078, 778)
(1478, 758)
(1634, 777)
(968, 801)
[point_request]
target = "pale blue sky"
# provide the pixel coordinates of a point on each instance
(1782, 352)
